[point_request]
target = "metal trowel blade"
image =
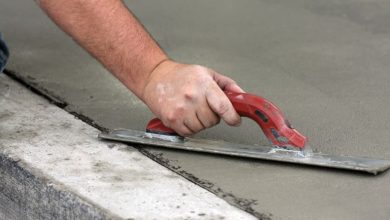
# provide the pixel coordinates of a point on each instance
(362, 164)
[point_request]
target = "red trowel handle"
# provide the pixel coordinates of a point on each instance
(271, 120)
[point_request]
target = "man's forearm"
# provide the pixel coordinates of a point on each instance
(187, 98)
(110, 33)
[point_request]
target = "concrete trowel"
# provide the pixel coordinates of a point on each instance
(286, 143)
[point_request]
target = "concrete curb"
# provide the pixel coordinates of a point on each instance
(27, 194)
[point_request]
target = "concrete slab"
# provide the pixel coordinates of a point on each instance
(52, 166)
(324, 63)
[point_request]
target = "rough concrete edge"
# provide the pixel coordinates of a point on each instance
(41, 198)
(244, 204)
(240, 203)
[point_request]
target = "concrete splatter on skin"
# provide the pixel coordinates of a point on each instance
(163, 92)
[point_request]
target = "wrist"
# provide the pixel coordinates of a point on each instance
(159, 70)
(138, 71)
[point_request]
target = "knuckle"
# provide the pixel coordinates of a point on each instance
(196, 130)
(208, 124)
(201, 70)
(175, 114)
(216, 121)
(222, 108)
(171, 118)
(198, 68)
(211, 123)
(190, 95)
(194, 126)
(200, 127)
(178, 110)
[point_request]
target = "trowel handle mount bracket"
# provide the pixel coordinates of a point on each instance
(271, 120)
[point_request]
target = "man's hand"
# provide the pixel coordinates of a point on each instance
(189, 98)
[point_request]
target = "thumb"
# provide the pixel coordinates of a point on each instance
(226, 83)
(233, 87)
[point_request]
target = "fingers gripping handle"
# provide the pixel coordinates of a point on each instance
(271, 120)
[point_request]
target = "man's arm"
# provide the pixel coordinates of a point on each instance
(187, 98)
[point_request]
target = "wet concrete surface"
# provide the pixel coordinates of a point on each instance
(325, 64)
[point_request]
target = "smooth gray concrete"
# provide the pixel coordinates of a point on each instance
(325, 63)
